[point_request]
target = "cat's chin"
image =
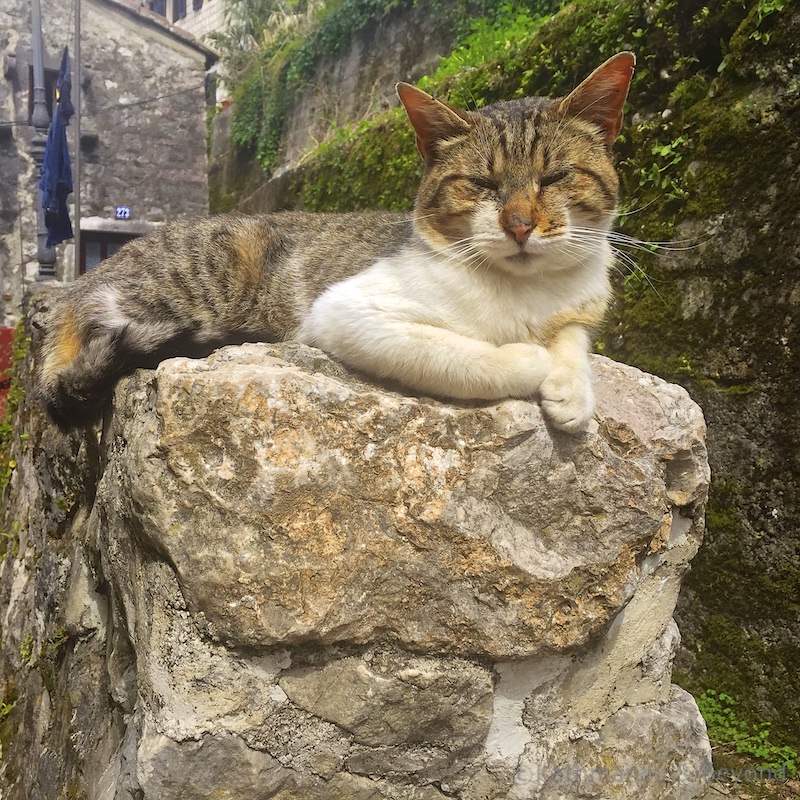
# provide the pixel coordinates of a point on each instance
(523, 262)
(524, 257)
(530, 263)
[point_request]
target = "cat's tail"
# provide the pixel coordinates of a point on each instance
(88, 347)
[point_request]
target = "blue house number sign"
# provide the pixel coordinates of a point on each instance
(122, 212)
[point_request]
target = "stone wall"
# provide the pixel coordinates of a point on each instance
(143, 126)
(403, 45)
(270, 579)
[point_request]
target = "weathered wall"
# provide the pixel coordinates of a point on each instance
(721, 317)
(143, 126)
(271, 579)
(403, 45)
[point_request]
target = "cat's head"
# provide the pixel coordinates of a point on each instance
(521, 184)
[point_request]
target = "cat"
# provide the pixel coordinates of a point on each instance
(489, 290)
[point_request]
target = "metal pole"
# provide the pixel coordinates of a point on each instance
(40, 120)
(76, 178)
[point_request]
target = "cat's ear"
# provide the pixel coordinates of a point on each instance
(602, 95)
(431, 119)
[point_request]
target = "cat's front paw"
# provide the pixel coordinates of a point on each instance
(567, 399)
(526, 365)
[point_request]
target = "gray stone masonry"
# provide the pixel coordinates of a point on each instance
(271, 579)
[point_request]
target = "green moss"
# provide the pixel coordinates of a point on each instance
(691, 166)
(220, 202)
(689, 91)
(7, 704)
(742, 597)
(75, 792)
(9, 542)
(374, 165)
(67, 501)
(722, 516)
(5, 709)
(50, 657)
(26, 649)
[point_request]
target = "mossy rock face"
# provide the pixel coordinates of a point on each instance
(710, 162)
(376, 168)
(721, 318)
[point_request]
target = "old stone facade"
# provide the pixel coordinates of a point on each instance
(199, 17)
(142, 130)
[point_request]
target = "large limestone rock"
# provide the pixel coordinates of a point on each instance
(291, 583)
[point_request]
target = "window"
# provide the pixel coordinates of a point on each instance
(96, 246)
(159, 6)
(50, 77)
(178, 9)
(197, 5)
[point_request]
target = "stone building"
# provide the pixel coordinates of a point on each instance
(143, 131)
(199, 17)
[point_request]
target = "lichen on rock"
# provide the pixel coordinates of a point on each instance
(290, 582)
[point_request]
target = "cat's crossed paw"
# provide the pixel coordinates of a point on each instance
(567, 399)
(526, 366)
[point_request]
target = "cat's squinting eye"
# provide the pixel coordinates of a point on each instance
(484, 183)
(555, 176)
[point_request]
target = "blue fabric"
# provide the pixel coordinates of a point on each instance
(56, 177)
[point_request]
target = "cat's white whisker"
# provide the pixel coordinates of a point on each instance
(617, 237)
(630, 266)
(632, 211)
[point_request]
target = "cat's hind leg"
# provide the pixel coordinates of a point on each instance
(89, 345)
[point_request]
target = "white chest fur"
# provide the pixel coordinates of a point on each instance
(478, 301)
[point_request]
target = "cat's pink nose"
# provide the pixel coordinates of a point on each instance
(520, 232)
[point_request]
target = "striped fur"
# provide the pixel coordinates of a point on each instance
(486, 291)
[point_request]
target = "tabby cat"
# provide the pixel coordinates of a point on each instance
(489, 290)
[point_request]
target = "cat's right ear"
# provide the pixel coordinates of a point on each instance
(431, 119)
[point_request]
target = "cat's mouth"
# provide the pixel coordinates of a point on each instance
(525, 256)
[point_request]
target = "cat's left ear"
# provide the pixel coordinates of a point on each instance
(431, 119)
(602, 95)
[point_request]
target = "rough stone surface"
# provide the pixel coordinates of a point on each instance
(321, 484)
(268, 578)
(391, 701)
(638, 752)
